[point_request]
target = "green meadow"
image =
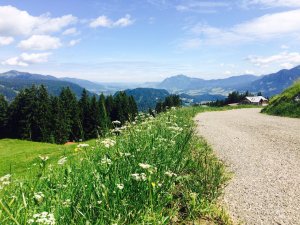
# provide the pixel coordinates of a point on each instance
(157, 171)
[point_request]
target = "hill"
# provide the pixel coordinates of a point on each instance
(147, 97)
(185, 84)
(12, 82)
(275, 83)
(287, 103)
(89, 85)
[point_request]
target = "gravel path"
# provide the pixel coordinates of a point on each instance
(263, 152)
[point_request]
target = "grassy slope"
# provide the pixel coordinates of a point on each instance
(90, 184)
(284, 104)
(16, 156)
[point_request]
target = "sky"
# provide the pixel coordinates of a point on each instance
(149, 40)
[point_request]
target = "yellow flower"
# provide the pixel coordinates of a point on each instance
(77, 149)
(153, 184)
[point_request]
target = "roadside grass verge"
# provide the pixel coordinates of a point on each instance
(285, 104)
(156, 172)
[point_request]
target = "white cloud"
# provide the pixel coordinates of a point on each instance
(227, 72)
(200, 6)
(71, 31)
(193, 43)
(40, 42)
(273, 3)
(284, 47)
(6, 40)
(284, 59)
(103, 21)
(269, 26)
(74, 42)
(14, 22)
(26, 59)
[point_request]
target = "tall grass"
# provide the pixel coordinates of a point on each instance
(156, 172)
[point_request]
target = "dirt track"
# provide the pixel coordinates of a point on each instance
(263, 152)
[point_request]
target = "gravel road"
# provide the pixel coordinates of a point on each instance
(263, 152)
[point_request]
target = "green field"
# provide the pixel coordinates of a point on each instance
(156, 172)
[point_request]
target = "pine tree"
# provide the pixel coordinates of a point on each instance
(60, 129)
(85, 108)
(69, 103)
(3, 117)
(104, 119)
(41, 115)
(94, 118)
(133, 108)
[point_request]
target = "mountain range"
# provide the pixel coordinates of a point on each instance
(191, 89)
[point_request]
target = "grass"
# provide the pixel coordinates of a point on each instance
(285, 104)
(155, 172)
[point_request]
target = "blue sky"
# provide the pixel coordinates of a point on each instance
(149, 40)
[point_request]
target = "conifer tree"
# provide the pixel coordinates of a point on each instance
(85, 108)
(104, 119)
(94, 118)
(60, 130)
(3, 116)
(41, 115)
(72, 115)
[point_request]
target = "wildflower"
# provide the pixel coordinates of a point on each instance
(62, 161)
(116, 122)
(44, 158)
(120, 186)
(83, 145)
(139, 177)
(108, 142)
(67, 202)
(144, 165)
(4, 181)
(105, 160)
(44, 218)
(170, 174)
(175, 128)
(39, 197)
(153, 184)
(77, 149)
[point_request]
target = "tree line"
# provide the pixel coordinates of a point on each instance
(233, 97)
(170, 101)
(37, 116)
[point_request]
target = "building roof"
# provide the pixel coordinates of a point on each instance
(256, 99)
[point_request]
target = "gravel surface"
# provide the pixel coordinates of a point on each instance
(263, 152)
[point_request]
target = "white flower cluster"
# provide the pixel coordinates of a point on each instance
(62, 161)
(105, 160)
(139, 177)
(44, 158)
(149, 168)
(83, 145)
(108, 142)
(126, 154)
(4, 181)
(116, 122)
(120, 186)
(39, 197)
(170, 174)
(44, 218)
(176, 129)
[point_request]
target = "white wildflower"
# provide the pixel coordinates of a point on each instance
(120, 186)
(62, 161)
(105, 160)
(83, 145)
(116, 122)
(108, 142)
(44, 158)
(39, 197)
(44, 218)
(170, 174)
(67, 202)
(4, 181)
(144, 165)
(139, 177)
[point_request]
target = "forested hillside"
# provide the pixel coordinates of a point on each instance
(38, 116)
